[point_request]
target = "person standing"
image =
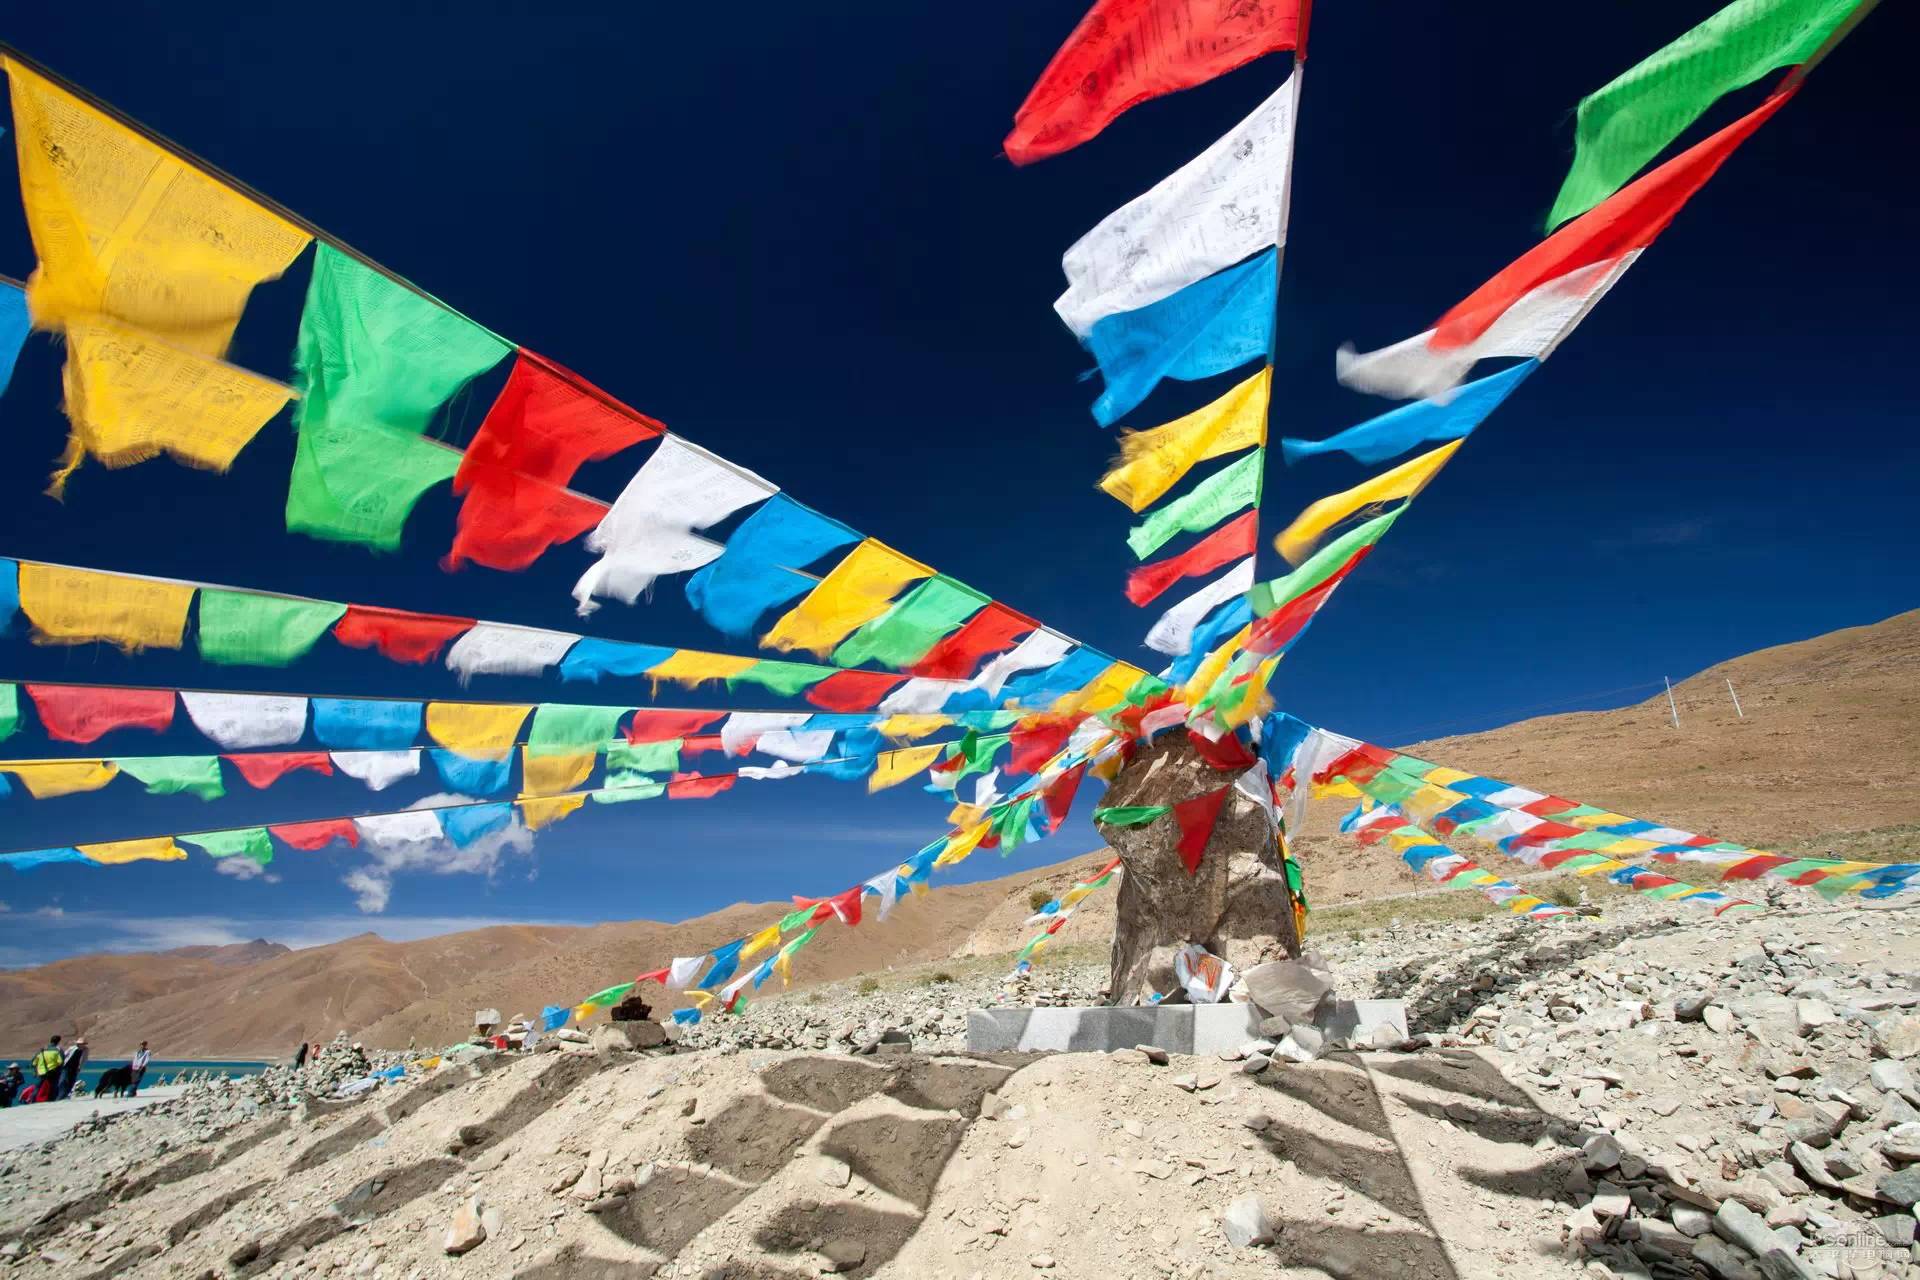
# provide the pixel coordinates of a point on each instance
(139, 1066)
(11, 1085)
(46, 1071)
(70, 1069)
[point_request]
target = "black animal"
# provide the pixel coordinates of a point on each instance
(114, 1080)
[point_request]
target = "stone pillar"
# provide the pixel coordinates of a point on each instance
(1236, 905)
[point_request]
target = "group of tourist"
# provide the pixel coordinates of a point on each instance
(56, 1073)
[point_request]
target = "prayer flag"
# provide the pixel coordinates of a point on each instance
(1124, 52)
(922, 696)
(251, 843)
(1069, 673)
(40, 858)
(857, 590)
(374, 361)
(546, 422)
(77, 606)
(692, 668)
(1040, 650)
(469, 776)
(150, 849)
(1038, 739)
(1275, 594)
(649, 529)
(1173, 633)
(852, 690)
(1196, 818)
(262, 769)
(1209, 327)
(175, 775)
(243, 721)
(744, 728)
(1104, 693)
(591, 658)
(693, 786)
(393, 830)
(378, 769)
(658, 726)
(548, 774)
(131, 397)
(1229, 542)
(51, 779)
(783, 678)
(1405, 481)
(1131, 815)
(494, 649)
(758, 569)
(1205, 505)
(991, 630)
(316, 835)
(234, 627)
(14, 327)
(9, 594)
(1633, 117)
(539, 812)
(1531, 306)
(9, 709)
(1398, 430)
(366, 724)
(562, 728)
(482, 730)
(125, 229)
(1225, 203)
(903, 634)
(1153, 461)
(895, 767)
(83, 713)
(399, 634)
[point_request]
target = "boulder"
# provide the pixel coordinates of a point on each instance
(465, 1231)
(1288, 989)
(1247, 1223)
(626, 1037)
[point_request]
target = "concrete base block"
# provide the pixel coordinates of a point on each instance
(1367, 1024)
(1181, 1028)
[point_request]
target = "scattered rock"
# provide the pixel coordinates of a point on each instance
(1247, 1223)
(465, 1231)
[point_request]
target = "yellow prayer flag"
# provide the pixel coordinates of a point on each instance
(125, 229)
(1338, 789)
(1152, 462)
(767, 937)
(151, 849)
(1600, 868)
(1628, 847)
(895, 767)
(131, 397)
(549, 774)
(1214, 664)
(478, 730)
(1429, 800)
(77, 606)
(857, 590)
(905, 728)
(961, 844)
(581, 1012)
(1441, 776)
(1592, 820)
(700, 998)
(965, 815)
(52, 778)
(1522, 904)
(1107, 768)
(1104, 692)
(1297, 541)
(544, 811)
(690, 667)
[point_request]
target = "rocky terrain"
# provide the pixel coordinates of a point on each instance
(1649, 1092)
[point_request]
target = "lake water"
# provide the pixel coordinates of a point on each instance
(159, 1067)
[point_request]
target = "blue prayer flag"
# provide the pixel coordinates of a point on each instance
(1398, 430)
(1209, 327)
(9, 593)
(471, 777)
(590, 659)
(14, 325)
(40, 857)
(555, 1016)
(1226, 619)
(725, 961)
(356, 724)
(686, 1017)
(755, 572)
(1072, 672)
(464, 826)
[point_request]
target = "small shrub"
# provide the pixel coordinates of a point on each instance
(941, 977)
(867, 986)
(1037, 899)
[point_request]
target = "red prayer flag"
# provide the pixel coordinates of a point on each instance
(317, 835)
(398, 634)
(1060, 795)
(852, 690)
(1196, 818)
(700, 743)
(1228, 754)
(1127, 51)
(662, 726)
(1279, 629)
(847, 905)
(1547, 833)
(1547, 806)
(1629, 219)
(1038, 739)
(992, 630)
(1231, 541)
(510, 519)
(264, 768)
(78, 713)
(1755, 867)
(658, 975)
(695, 786)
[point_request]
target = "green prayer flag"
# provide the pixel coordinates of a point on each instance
(1131, 815)
(1276, 593)
(803, 939)
(564, 728)
(989, 720)
(1204, 506)
(627, 787)
(1010, 823)
(1391, 788)
(9, 709)
(793, 920)
(915, 623)
(172, 775)
(251, 843)
(1145, 689)
(611, 996)
(782, 678)
(241, 627)
(1632, 119)
(373, 363)
(643, 757)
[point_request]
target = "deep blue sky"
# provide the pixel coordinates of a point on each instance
(797, 244)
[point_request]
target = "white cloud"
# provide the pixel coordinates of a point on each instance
(244, 869)
(372, 885)
(81, 932)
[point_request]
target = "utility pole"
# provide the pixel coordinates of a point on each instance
(1671, 705)
(1736, 700)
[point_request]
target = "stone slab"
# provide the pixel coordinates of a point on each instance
(1353, 1021)
(1183, 1028)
